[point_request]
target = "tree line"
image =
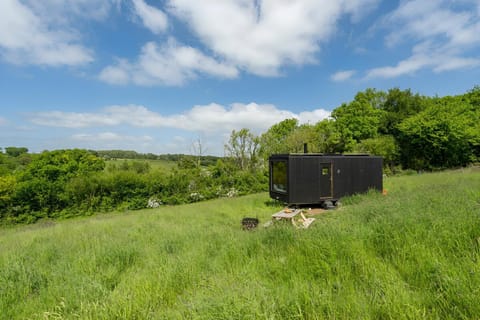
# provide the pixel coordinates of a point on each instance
(65, 183)
(130, 154)
(410, 131)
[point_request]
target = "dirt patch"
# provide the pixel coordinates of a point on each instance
(315, 211)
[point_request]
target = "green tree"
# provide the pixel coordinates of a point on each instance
(15, 151)
(385, 146)
(7, 190)
(399, 105)
(329, 139)
(445, 134)
(356, 121)
(304, 134)
(242, 148)
(7, 164)
(273, 141)
(41, 186)
(473, 97)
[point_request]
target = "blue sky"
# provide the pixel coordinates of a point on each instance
(159, 75)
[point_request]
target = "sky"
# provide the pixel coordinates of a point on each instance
(161, 76)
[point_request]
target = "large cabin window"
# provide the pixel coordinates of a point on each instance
(279, 176)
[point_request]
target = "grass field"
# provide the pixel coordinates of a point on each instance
(164, 165)
(413, 254)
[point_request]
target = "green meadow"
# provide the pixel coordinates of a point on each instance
(412, 254)
(164, 165)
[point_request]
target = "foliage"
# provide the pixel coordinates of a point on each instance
(60, 165)
(242, 149)
(205, 160)
(274, 139)
(65, 183)
(39, 189)
(384, 146)
(411, 132)
(410, 255)
(398, 106)
(356, 121)
(329, 139)
(446, 134)
(9, 164)
(301, 135)
(15, 151)
(7, 190)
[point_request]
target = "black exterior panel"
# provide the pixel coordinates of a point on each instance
(315, 178)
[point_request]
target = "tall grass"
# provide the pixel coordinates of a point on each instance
(408, 255)
(164, 165)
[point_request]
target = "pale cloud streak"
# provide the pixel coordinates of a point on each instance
(343, 75)
(257, 37)
(170, 64)
(42, 33)
(110, 137)
(261, 37)
(446, 37)
(111, 127)
(209, 118)
(152, 18)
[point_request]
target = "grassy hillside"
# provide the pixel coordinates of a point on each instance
(165, 165)
(412, 254)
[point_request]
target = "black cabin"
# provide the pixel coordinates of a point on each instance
(300, 179)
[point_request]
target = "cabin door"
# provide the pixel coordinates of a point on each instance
(326, 190)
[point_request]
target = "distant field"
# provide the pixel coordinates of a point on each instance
(413, 254)
(154, 164)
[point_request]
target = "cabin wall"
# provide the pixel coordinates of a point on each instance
(304, 180)
(356, 175)
(347, 175)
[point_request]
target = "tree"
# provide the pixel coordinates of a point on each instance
(398, 106)
(7, 189)
(274, 140)
(41, 186)
(198, 150)
(356, 121)
(242, 148)
(15, 151)
(445, 134)
(384, 146)
(304, 134)
(329, 139)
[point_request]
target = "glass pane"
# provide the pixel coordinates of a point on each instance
(279, 176)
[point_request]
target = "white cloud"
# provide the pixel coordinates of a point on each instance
(359, 8)
(437, 61)
(72, 119)
(263, 36)
(152, 18)
(201, 118)
(342, 75)
(312, 117)
(112, 140)
(258, 37)
(169, 64)
(446, 37)
(110, 137)
(112, 127)
(118, 74)
(64, 11)
(31, 37)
